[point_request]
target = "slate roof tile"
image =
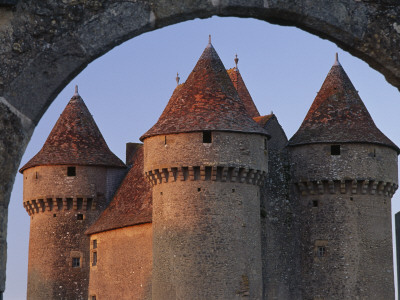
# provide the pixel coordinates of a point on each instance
(338, 115)
(132, 204)
(206, 101)
(75, 140)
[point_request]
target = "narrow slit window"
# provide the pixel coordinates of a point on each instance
(94, 244)
(335, 149)
(94, 258)
(76, 262)
(71, 171)
(207, 138)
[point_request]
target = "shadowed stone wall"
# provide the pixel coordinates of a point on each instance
(44, 44)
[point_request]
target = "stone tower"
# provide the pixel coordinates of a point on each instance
(66, 186)
(206, 158)
(345, 173)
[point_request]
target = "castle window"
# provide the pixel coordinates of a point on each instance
(207, 137)
(71, 171)
(94, 243)
(165, 140)
(36, 175)
(335, 149)
(315, 203)
(94, 258)
(54, 215)
(93, 297)
(79, 217)
(76, 262)
(320, 248)
(321, 251)
(265, 144)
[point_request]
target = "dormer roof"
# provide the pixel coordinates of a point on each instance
(338, 115)
(206, 101)
(75, 140)
(244, 94)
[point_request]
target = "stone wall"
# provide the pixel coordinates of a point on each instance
(206, 223)
(278, 226)
(343, 205)
(62, 208)
(124, 263)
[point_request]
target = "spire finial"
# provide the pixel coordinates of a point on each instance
(337, 63)
(76, 91)
(177, 78)
(236, 61)
(209, 39)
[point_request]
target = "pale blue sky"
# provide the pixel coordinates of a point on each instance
(127, 89)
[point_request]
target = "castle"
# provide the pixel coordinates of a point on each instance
(217, 203)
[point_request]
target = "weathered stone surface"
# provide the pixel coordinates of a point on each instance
(14, 136)
(44, 44)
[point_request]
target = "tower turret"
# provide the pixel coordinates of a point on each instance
(66, 186)
(205, 158)
(345, 172)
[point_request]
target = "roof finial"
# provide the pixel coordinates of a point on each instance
(209, 39)
(76, 91)
(337, 63)
(177, 78)
(236, 61)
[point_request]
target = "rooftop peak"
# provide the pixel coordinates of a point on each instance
(209, 39)
(76, 94)
(336, 63)
(177, 78)
(236, 61)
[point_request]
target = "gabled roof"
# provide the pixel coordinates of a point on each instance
(338, 115)
(263, 120)
(244, 94)
(132, 203)
(206, 101)
(75, 140)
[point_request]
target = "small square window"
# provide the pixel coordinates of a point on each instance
(94, 244)
(93, 298)
(94, 258)
(315, 203)
(76, 262)
(335, 149)
(207, 137)
(321, 251)
(71, 171)
(79, 216)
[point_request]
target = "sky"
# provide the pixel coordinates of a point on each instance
(127, 89)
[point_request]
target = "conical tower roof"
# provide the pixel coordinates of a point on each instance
(75, 140)
(241, 88)
(206, 101)
(338, 115)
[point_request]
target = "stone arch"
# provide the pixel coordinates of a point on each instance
(45, 44)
